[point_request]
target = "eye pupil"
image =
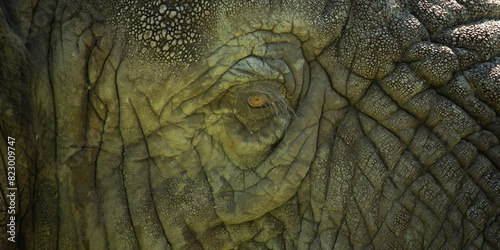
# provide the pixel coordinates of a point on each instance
(257, 101)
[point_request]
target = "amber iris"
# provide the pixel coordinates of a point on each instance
(257, 101)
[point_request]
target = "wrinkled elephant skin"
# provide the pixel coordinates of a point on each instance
(195, 124)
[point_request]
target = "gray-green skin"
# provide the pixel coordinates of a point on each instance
(133, 130)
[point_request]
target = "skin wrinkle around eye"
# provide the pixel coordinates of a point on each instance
(264, 119)
(277, 186)
(240, 73)
(253, 130)
(286, 81)
(253, 44)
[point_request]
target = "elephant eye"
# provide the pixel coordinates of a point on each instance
(258, 100)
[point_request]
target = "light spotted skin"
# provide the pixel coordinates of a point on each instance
(165, 29)
(133, 130)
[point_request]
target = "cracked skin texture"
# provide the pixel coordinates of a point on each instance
(133, 129)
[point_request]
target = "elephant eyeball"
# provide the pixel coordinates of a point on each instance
(258, 100)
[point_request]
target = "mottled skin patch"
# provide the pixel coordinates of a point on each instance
(165, 30)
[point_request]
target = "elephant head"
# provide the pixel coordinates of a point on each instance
(194, 124)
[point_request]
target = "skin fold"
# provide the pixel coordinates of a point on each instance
(290, 124)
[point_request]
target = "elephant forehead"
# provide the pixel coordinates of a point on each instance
(182, 32)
